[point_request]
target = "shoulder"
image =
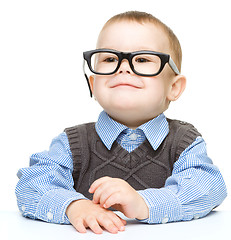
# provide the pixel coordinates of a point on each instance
(78, 135)
(181, 135)
(182, 127)
(76, 128)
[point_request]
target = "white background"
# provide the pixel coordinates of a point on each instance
(43, 89)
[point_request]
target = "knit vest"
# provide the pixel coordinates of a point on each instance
(142, 168)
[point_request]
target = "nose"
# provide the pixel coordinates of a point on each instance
(125, 67)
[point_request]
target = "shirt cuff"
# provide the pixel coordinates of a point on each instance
(53, 204)
(163, 206)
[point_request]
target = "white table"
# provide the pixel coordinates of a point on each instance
(216, 226)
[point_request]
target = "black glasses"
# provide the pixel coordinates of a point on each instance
(142, 63)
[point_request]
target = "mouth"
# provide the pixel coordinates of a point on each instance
(128, 83)
(125, 85)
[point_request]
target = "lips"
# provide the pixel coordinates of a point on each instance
(125, 83)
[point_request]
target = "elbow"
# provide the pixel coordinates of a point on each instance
(217, 191)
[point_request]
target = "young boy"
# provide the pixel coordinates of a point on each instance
(133, 159)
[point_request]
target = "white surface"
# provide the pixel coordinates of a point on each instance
(213, 227)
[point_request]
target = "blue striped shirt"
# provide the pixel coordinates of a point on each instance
(196, 186)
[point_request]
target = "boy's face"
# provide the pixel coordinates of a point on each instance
(128, 98)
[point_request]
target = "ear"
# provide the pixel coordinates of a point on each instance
(177, 87)
(91, 83)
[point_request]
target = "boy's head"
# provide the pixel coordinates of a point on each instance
(142, 18)
(133, 94)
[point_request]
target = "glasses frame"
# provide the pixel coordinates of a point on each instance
(165, 58)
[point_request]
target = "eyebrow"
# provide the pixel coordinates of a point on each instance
(134, 50)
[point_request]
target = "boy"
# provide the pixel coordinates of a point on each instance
(133, 158)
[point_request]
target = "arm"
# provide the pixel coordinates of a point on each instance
(120, 195)
(192, 191)
(45, 189)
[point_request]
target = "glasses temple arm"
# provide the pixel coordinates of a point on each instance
(86, 78)
(173, 66)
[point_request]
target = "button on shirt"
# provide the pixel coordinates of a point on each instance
(196, 186)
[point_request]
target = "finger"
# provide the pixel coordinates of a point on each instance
(113, 199)
(102, 194)
(103, 191)
(94, 225)
(97, 183)
(97, 195)
(79, 226)
(118, 222)
(106, 222)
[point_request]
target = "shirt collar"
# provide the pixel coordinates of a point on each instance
(108, 129)
(155, 130)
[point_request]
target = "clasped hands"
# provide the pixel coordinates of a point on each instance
(107, 192)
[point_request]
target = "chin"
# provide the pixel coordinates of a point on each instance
(125, 106)
(124, 115)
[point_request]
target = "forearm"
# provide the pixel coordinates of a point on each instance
(45, 189)
(175, 204)
(194, 189)
(49, 206)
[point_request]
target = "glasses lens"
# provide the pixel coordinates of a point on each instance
(146, 64)
(104, 62)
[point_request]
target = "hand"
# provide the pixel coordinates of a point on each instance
(117, 193)
(84, 213)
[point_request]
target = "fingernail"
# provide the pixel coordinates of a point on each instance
(114, 230)
(122, 228)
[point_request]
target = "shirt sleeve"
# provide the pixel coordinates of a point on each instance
(45, 189)
(194, 189)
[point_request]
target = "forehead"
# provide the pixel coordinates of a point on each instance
(128, 36)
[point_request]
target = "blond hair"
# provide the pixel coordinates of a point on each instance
(143, 17)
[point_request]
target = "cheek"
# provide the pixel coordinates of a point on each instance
(100, 92)
(98, 86)
(156, 89)
(156, 95)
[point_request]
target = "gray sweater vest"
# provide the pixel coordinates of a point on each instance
(142, 168)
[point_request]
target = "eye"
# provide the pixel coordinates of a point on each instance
(110, 59)
(142, 60)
